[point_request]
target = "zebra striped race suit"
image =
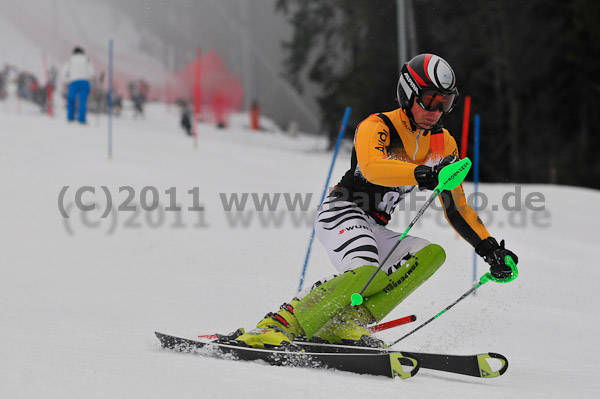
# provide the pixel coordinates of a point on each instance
(351, 222)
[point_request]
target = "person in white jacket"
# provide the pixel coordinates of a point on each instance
(77, 72)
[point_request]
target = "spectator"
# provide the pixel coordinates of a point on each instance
(2, 86)
(138, 93)
(186, 117)
(255, 115)
(77, 72)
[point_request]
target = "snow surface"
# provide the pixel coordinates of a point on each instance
(81, 297)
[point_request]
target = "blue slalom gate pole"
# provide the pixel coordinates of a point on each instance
(335, 153)
(110, 87)
(476, 181)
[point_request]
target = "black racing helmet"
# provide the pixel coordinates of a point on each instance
(430, 80)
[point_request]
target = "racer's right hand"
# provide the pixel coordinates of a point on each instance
(427, 176)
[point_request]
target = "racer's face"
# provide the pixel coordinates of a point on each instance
(425, 119)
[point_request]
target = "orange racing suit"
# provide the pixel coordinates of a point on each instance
(387, 149)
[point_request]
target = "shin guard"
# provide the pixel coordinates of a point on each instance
(325, 301)
(405, 280)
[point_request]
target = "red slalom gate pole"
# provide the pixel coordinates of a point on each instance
(48, 85)
(168, 97)
(373, 329)
(197, 98)
(393, 323)
(465, 130)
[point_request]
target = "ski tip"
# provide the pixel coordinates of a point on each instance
(398, 360)
(486, 370)
(413, 317)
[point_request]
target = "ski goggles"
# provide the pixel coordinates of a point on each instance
(433, 100)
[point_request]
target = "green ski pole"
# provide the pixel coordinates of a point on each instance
(450, 177)
(484, 279)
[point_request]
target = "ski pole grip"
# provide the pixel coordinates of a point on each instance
(452, 176)
(510, 263)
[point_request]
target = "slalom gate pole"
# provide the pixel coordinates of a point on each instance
(196, 96)
(335, 154)
(450, 177)
(476, 182)
(168, 97)
(393, 323)
(484, 279)
(377, 327)
(48, 85)
(465, 127)
(110, 88)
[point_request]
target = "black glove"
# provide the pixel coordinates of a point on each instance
(494, 255)
(427, 176)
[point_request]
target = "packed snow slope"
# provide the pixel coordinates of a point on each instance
(80, 297)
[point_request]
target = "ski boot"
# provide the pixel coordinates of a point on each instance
(349, 327)
(276, 330)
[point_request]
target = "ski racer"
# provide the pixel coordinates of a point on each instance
(394, 153)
